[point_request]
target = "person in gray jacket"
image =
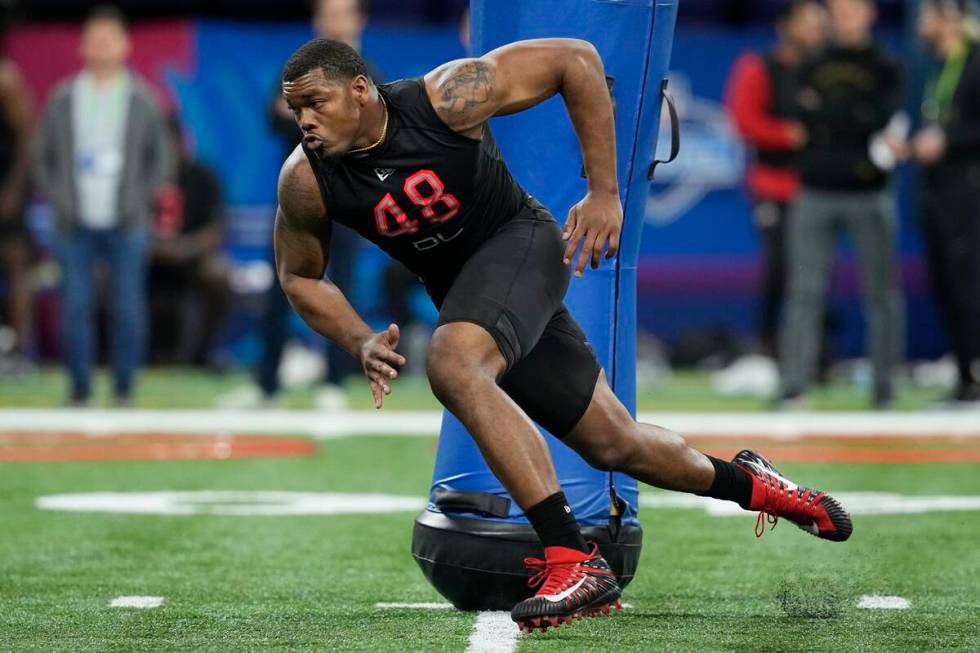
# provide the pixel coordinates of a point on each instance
(101, 154)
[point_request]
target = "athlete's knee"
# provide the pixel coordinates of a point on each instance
(613, 449)
(620, 450)
(445, 378)
(454, 364)
(615, 456)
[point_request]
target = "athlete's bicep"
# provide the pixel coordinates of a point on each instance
(514, 77)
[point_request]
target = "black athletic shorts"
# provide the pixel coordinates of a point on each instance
(513, 286)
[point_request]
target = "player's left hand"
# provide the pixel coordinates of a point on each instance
(593, 222)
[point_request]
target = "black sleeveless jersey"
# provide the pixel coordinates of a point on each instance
(427, 196)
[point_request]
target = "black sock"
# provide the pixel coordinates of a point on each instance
(732, 483)
(555, 524)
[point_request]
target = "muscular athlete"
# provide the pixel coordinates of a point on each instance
(413, 167)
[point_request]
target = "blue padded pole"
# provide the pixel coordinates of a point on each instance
(634, 39)
(623, 374)
(635, 201)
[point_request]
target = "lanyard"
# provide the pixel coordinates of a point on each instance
(937, 106)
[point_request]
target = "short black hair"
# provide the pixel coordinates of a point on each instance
(107, 12)
(336, 59)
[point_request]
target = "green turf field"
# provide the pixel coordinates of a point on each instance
(189, 388)
(310, 583)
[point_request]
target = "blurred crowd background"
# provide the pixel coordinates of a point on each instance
(823, 217)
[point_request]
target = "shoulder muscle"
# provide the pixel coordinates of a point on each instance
(461, 92)
(300, 203)
(512, 78)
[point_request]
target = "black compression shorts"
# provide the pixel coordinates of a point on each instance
(513, 286)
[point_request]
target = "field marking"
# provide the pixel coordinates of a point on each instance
(414, 606)
(789, 426)
(60, 446)
(136, 602)
(857, 503)
(236, 503)
(493, 632)
(274, 422)
(876, 602)
(51, 446)
(265, 503)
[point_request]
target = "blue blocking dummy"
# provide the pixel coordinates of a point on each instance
(472, 538)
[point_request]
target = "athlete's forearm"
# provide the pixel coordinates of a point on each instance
(323, 306)
(590, 108)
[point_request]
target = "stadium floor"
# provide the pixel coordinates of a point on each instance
(255, 553)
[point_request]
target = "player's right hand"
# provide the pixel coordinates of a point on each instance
(380, 362)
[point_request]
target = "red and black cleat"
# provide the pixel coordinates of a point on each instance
(573, 585)
(775, 496)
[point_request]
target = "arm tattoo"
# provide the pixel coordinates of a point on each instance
(469, 87)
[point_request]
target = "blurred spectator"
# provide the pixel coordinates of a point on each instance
(15, 245)
(948, 148)
(189, 288)
(343, 20)
(102, 153)
(849, 93)
(760, 96)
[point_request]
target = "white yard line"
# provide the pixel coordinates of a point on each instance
(136, 602)
(493, 632)
(427, 423)
(877, 602)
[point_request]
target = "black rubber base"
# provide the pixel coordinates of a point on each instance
(478, 564)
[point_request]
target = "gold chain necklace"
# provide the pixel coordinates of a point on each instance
(384, 131)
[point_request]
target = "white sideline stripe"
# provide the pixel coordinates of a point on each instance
(272, 422)
(790, 426)
(136, 602)
(414, 606)
(493, 632)
(427, 423)
(876, 602)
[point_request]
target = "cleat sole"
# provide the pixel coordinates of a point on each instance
(543, 623)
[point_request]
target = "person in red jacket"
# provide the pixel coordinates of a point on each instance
(761, 98)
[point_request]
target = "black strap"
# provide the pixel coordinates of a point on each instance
(448, 500)
(675, 131)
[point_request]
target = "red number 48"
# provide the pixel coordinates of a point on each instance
(426, 190)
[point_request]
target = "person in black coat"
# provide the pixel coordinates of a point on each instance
(948, 149)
